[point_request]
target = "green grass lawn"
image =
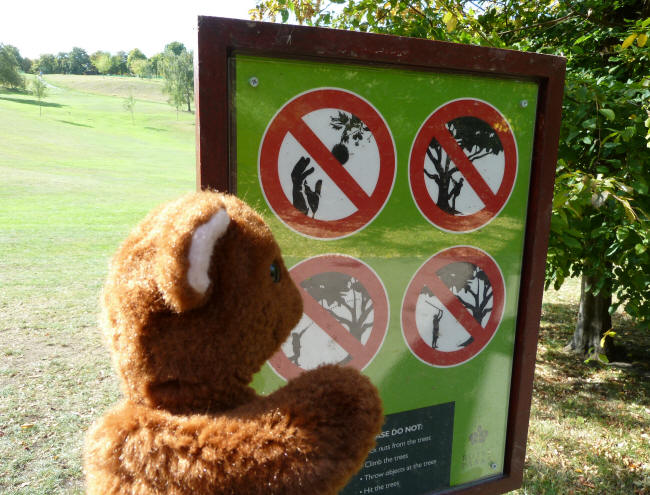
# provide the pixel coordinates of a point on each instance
(75, 180)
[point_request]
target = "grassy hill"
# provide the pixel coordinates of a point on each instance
(141, 89)
(73, 182)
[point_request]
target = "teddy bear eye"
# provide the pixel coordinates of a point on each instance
(275, 272)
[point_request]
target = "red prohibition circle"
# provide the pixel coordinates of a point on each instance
(289, 119)
(435, 126)
(361, 353)
(427, 274)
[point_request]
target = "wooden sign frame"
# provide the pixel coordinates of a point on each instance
(219, 39)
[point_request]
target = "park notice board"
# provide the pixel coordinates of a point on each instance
(409, 185)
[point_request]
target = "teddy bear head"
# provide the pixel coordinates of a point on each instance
(197, 299)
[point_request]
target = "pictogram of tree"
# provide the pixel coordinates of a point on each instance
(471, 286)
(345, 298)
(478, 139)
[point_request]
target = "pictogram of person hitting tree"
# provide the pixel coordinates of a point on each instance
(473, 289)
(478, 139)
(296, 346)
(305, 199)
(437, 316)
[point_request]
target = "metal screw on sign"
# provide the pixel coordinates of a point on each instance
(254, 81)
(493, 465)
(524, 103)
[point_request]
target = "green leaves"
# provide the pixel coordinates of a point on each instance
(609, 114)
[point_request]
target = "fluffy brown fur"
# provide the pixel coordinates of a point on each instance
(189, 422)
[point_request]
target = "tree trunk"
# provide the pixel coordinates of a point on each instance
(593, 321)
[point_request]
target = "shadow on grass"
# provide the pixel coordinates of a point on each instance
(75, 123)
(632, 341)
(553, 478)
(13, 91)
(559, 313)
(585, 409)
(594, 391)
(157, 129)
(32, 102)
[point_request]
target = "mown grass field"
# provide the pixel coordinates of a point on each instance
(75, 180)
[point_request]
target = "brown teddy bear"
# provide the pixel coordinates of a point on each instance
(197, 299)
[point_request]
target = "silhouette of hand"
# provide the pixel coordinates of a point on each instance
(298, 176)
(313, 197)
(300, 172)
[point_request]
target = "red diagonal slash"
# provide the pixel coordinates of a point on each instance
(326, 321)
(465, 166)
(330, 165)
(455, 307)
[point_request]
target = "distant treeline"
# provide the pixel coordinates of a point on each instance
(77, 61)
(174, 65)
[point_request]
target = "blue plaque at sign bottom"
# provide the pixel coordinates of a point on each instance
(412, 456)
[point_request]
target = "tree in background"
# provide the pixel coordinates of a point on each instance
(141, 68)
(178, 72)
(175, 47)
(599, 228)
(79, 62)
(46, 64)
(10, 67)
(135, 56)
(119, 65)
(62, 63)
(39, 90)
(102, 62)
(129, 106)
(26, 65)
(155, 63)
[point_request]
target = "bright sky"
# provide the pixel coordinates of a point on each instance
(49, 26)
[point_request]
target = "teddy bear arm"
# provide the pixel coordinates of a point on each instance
(257, 449)
(339, 411)
(135, 450)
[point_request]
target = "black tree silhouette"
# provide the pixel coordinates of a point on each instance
(353, 304)
(478, 139)
(471, 286)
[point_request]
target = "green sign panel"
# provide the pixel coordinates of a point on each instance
(399, 198)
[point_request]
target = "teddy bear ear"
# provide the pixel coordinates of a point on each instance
(183, 273)
(203, 240)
